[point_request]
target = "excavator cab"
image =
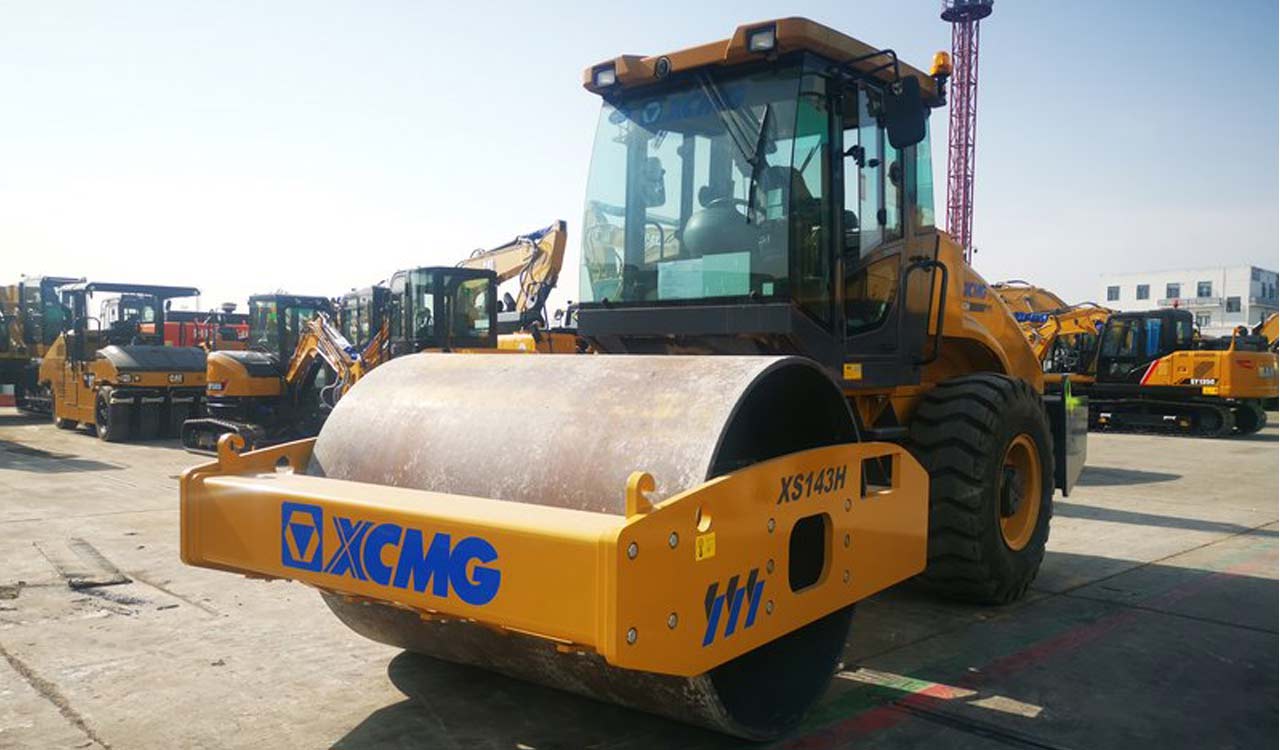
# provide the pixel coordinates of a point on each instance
(1132, 341)
(442, 308)
(781, 205)
(362, 312)
(276, 321)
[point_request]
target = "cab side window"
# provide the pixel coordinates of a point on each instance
(395, 312)
(894, 185)
(869, 175)
(810, 201)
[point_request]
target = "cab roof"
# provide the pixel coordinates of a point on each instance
(160, 292)
(792, 34)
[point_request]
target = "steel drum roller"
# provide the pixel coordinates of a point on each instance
(568, 431)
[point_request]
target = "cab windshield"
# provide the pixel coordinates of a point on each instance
(272, 333)
(691, 191)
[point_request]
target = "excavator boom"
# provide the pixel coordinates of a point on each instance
(535, 259)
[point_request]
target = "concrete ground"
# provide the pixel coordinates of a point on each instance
(1153, 624)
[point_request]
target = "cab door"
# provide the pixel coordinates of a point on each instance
(884, 249)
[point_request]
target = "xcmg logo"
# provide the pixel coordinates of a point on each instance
(361, 554)
(729, 605)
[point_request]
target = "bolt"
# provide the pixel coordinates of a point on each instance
(673, 540)
(846, 540)
(672, 619)
(768, 567)
(768, 607)
(632, 550)
(771, 525)
(631, 635)
(848, 503)
(846, 576)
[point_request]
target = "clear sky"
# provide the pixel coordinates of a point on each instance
(316, 146)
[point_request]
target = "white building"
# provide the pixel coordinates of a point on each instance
(1220, 297)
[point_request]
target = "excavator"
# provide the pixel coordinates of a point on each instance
(300, 364)
(1151, 371)
(1066, 340)
(534, 261)
(801, 394)
(1023, 297)
(32, 318)
(117, 378)
(362, 314)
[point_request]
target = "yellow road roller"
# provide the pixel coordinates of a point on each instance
(800, 394)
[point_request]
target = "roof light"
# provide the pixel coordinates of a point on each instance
(762, 40)
(605, 76)
(941, 64)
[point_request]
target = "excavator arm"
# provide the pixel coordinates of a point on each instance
(320, 340)
(535, 259)
(1270, 329)
(1044, 329)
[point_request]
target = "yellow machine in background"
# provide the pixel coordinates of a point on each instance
(1269, 329)
(799, 398)
(300, 364)
(1153, 371)
(31, 319)
(534, 260)
(1066, 340)
(120, 380)
(1024, 297)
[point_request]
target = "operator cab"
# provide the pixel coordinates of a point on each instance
(43, 316)
(768, 194)
(362, 313)
(122, 318)
(276, 321)
(1132, 341)
(442, 307)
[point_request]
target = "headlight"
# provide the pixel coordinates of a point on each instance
(605, 76)
(126, 377)
(762, 40)
(215, 386)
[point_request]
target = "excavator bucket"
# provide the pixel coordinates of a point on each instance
(680, 534)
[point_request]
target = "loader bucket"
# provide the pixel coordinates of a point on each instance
(682, 535)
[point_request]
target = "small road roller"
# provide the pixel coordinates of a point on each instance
(799, 394)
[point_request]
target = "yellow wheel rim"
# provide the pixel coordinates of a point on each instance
(1018, 496)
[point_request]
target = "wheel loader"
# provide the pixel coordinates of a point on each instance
(300, 364)
(802, 395)
(118, 378)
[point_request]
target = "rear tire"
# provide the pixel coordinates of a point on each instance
(111, 420)
(986, 443)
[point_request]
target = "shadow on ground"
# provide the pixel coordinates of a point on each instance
(21, 457)
(451, 705)
(1111, 515)
(1105, 476)
(1154, 656)
(18, 419)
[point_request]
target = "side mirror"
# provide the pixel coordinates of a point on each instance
(904, 113)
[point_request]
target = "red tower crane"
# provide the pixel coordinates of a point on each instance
(964, 16)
